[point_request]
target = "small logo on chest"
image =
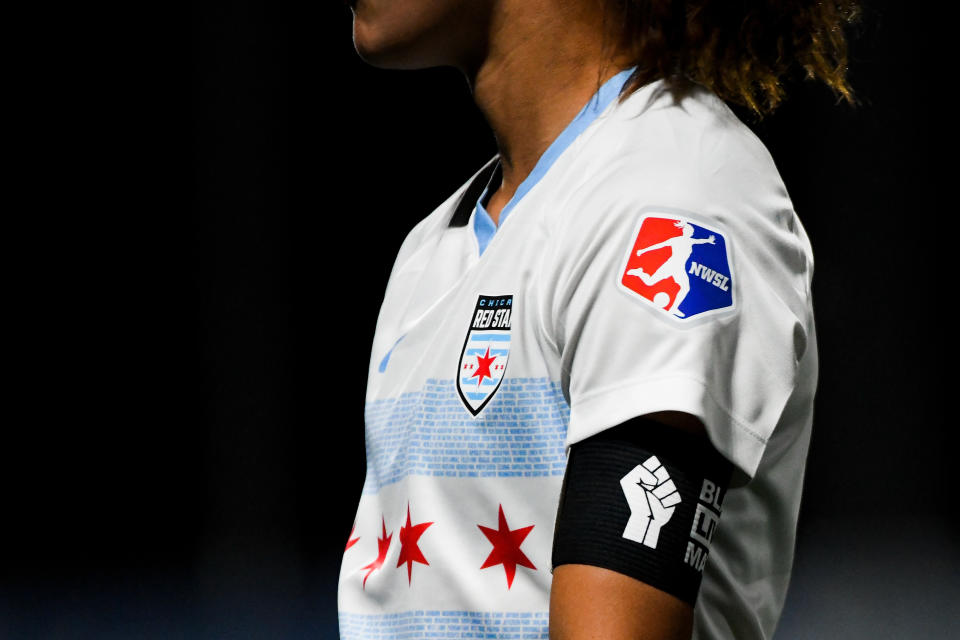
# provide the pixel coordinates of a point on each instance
(486, 349)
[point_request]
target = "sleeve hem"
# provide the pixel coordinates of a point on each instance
(608, 407)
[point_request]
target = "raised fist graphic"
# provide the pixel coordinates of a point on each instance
(652, 497)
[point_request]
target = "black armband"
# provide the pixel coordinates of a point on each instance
(642, 499)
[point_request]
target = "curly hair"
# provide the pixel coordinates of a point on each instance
(742, 50)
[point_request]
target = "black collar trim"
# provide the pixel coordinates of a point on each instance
(468, 201)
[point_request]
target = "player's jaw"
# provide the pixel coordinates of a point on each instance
(416, 34)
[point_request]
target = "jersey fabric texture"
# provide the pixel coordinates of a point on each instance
(651, 261)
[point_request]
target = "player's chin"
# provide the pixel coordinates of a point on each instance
(391, 46)
(390, 55)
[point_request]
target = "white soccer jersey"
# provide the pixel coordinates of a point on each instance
(651, 261)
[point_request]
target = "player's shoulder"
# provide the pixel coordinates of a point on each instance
(687, 154)
(675, 142)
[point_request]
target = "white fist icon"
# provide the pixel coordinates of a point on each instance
(652, 497)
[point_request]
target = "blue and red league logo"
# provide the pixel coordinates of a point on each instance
(678, 267)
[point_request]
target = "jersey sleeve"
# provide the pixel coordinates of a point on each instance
(679, 288)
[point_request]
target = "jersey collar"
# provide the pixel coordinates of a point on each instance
(483, 225)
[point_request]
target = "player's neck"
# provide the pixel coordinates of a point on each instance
(543, 63)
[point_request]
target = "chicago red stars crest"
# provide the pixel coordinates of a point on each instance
(486, 349)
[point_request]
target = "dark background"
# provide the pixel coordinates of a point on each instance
(212, 226)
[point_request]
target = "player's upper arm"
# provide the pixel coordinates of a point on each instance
(677, 280)
(666, 289)
(588, 602)
(639, 507)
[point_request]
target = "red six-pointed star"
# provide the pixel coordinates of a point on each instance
(383, 544)
(409, 551)
(483, 366)
(506, 547)
(351, 540)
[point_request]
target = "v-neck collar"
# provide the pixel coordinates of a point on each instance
(483, 225)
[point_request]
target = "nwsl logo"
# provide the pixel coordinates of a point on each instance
(678, 267)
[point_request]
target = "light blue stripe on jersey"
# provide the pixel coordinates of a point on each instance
(497, 337)
(483, 225)
(477, 396)
(423, 623)
(423, 433)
